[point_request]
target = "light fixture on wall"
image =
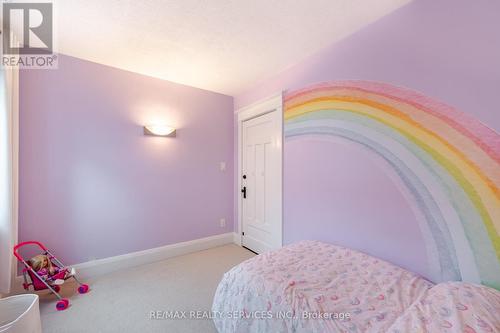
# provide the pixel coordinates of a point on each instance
(159, 130)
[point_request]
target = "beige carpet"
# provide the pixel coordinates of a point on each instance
(122, 301)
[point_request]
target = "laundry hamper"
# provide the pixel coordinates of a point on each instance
(20, 314)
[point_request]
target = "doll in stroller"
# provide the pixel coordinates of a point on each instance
(45, 271)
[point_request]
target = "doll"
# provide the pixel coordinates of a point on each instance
(43, 266)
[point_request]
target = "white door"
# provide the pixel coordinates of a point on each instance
(261, 182)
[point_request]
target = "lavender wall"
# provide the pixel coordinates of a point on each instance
(447, 49)
(338, 192)
(92, 185)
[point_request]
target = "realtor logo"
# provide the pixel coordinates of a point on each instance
(27, 35)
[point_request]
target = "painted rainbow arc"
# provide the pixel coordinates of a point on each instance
(449, 161)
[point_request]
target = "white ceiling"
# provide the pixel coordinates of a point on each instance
(220, 45)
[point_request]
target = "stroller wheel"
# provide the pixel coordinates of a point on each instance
(62, 304)
(83, 289)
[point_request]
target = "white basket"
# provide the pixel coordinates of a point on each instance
(20, 314)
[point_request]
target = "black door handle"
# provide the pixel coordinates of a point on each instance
(244, 191)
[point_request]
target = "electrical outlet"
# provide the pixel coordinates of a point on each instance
(223, 166)
(222, 223)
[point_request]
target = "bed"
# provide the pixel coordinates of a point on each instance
(312, 286)
(452, 307)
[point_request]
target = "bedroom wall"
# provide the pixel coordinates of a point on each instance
(337, 191)
(93, 186)
(447, 49)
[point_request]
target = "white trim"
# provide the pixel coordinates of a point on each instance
(15, 161)
(270, 104)
(260, 107)
(9, 233)
(236, 238)
(103, 266)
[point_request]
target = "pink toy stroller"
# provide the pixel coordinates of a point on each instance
(39, 282)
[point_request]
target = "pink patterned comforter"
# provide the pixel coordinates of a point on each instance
(453, 307)
(314, 287)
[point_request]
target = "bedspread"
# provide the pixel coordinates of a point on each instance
(453, 307)
(311, 286)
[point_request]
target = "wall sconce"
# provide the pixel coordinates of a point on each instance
(160, 130)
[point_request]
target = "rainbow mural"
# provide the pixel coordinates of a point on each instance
(449, 161)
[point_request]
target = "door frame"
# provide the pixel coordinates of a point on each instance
(259, 108)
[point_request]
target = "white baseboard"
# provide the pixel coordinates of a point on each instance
(108, 265)
(236, 238)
